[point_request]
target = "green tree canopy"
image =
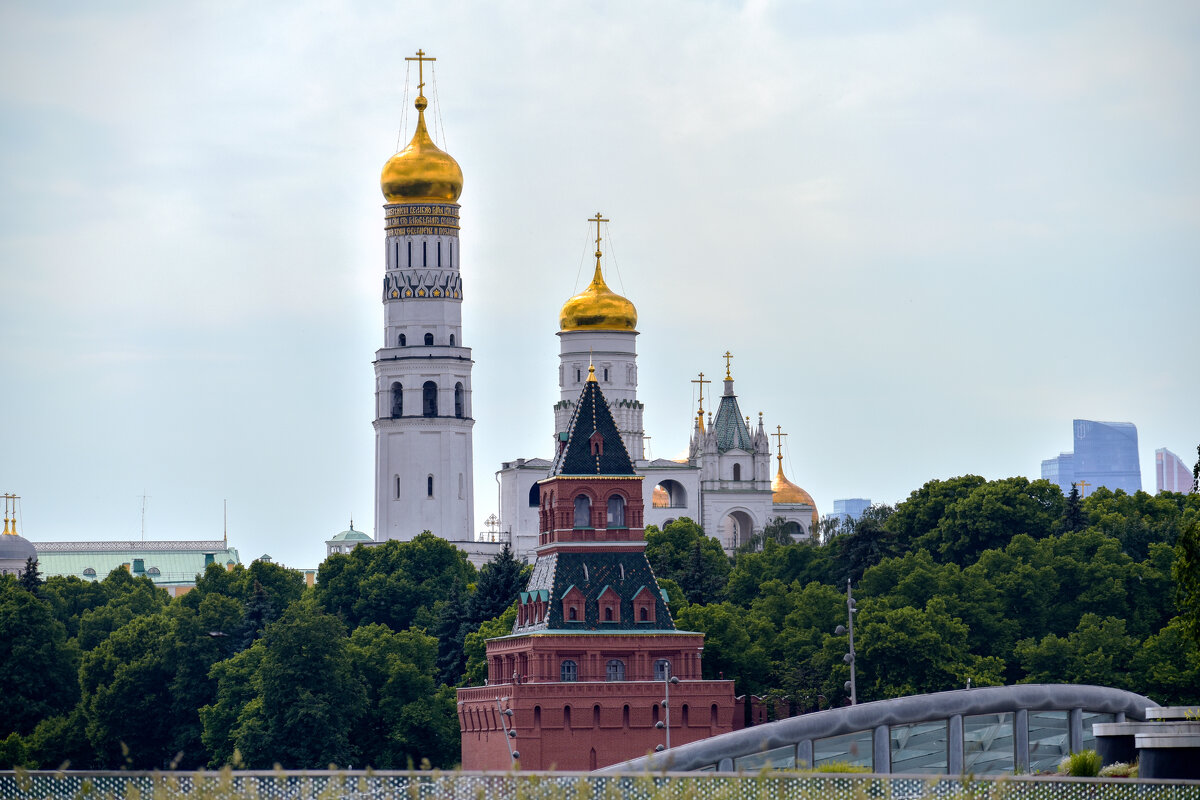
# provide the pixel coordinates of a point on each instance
(39, 664)
(682, 552)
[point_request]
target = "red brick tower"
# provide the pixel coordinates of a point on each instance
(594, 652)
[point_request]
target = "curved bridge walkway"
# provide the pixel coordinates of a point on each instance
(995, 729)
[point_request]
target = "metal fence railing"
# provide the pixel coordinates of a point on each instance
(368, 785)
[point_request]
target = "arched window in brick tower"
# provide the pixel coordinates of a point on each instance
(616, 511)
(614, 670)
(397, 400)
(569, 671)
(429, 393)
(583, 511)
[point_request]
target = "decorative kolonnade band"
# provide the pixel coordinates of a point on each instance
(423, 284)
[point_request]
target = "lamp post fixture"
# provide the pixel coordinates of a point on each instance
(668, 679)
(509, 733)
(852, 684)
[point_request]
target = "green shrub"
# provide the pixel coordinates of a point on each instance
(1084, 764)
(840, 766)
(1120, 769)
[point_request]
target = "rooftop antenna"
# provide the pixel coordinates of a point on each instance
(144, 498)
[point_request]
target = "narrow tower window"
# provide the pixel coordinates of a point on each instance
(577, 374)
(429, 393)
(424, 254)
(606, 376)
(452, 340)
(403, 340)
(429, 486)
(458, 400)
(616, 512)
(410, 253)
(439, 253)
(396, 254)
(397, 400)
(451, 255)
(428, 339)
(583, 512)
(397, 487)
(737, 472)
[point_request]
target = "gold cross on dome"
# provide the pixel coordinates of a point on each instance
(701, 382)
(421, 58)
(727, 358)
(597, 219)
(779, 434)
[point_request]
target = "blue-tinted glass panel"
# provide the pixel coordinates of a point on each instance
(850, 748)
(922, 747)
(1090, 718)
(779, 758)
(988, 743)
(1049, 741)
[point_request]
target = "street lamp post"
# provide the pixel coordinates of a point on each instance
(852, 684)
(668, 679)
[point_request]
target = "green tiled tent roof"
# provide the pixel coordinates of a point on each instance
(592, 417)
(626, 573)
(730, 426)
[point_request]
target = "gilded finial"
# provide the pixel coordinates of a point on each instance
(421, 103)
(728, 356)
(700, 411)
(592, 374)
(779, 434)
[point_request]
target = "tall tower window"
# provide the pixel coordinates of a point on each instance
(397, 487)
(397, 400)
(737, 472)
(458, 400)
(451, 255)
(583, 512)
(616, 511)
(428, 339)
(403, 340)
(424, 254)
(429, 393)
(439, 253)
(429, 486)
(452, 340)
(410, 253)
(606, 376)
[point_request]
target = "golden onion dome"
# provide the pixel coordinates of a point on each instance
(784, 491)
(421, 172)
(597, 308)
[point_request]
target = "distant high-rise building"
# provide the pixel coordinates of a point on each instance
(1060, 470)
(1171, 473)
(1106, 454)
(851, 508)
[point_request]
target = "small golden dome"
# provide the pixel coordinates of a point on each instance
(597, 308)
(421, 172)
(784, 491)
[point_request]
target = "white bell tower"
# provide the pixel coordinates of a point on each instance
(423, 422)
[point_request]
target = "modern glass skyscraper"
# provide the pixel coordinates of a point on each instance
(1106, 454)
(1060, 470)
(850, 508)
(1171, 473)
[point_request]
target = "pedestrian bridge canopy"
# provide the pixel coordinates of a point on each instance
(990, 730)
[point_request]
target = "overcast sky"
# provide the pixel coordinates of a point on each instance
(931, 235)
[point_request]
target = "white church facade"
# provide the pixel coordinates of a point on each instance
(423, 417)
(725, 482)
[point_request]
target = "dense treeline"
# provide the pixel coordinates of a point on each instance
(988, 581)
(993, 582)
(250, 668)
